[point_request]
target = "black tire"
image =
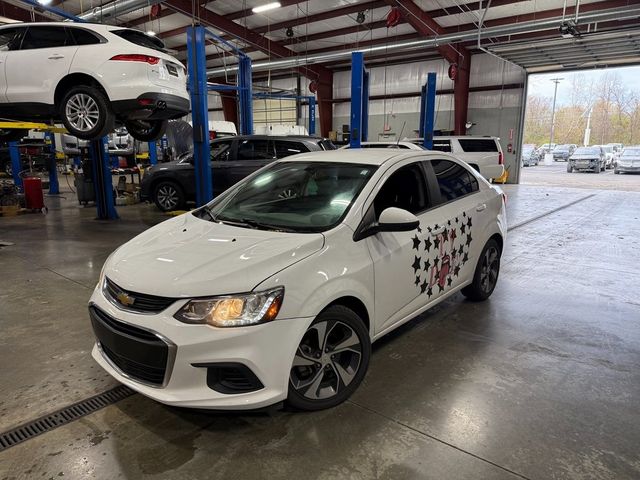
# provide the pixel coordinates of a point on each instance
(317, 379)
(597, 168)
(616, 171)
(484, 281)
(104, 121)
(569, 168)
(12, 134)
(146, 130)
(168, 196)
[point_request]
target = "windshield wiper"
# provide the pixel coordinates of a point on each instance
(254, 224)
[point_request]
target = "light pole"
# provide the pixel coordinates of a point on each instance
(549, 160)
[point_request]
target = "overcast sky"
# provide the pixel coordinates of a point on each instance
(541, 84)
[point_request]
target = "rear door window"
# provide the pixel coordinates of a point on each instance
(454, 180)
(255, 150)
(478, 144)
(442, 145)
(286, 148)
(45, 37)
(84, 37)
(140, 39)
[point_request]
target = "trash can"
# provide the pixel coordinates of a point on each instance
(84, 189)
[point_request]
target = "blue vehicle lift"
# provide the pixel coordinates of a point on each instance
(54, 187)
(359, 101)
(199, 89)
(16, 164)
(428, 111)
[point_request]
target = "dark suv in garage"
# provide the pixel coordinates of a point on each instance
(171, 185)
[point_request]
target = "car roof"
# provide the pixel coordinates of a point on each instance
(279, 137)
(91, 26)
(368, 156)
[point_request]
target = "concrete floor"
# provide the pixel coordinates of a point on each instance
(542, 381)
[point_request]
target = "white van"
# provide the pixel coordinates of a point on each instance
(482, 153)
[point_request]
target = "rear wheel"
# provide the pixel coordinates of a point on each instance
(86, 113)
(569, 168)
(146, 130)
(486, 274)
(168, 196)
(331, 360)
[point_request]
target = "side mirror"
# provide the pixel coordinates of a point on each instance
(394, 219)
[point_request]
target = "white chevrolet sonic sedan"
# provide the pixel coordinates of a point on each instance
(276, 289)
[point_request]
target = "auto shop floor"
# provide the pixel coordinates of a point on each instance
(542, 381)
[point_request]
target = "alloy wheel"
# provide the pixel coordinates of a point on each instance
(167, 197)
(327, 360)
(82, 112)
(489, 269)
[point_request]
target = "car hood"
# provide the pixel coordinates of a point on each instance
(190, 257)
(584, 156)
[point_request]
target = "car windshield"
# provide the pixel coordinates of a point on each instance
(561, 148)
(587, 151)
(292, 196)
(631, 152)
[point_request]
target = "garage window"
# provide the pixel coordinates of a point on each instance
(405, 189)
(45, 37)
(454, 180)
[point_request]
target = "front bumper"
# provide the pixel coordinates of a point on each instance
(267, 350)
(154, 106)
(628, 169)
(585, 166)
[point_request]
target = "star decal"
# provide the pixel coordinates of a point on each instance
(456, 270)
(427, 265)
(457, 220)
(445, 234)
(416, 243)
(429, 291)
(452, 235)
(436, 227)
(441, 288)
(461, 250)
(417, 282)
(416, 264)
(449, 222)
(436, 242)
(419, 229)
(429, 229)
(469, 222)
(465, 259)
(469, 239)
(449, 281)
(463, 228)
(464, 214)
(427, 244)
(435, 262)
(423, 287)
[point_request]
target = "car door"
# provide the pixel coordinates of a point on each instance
(44, 58)
(462, 217)
(221, 156)
(401, 259)
(251, 154)
(9, 41)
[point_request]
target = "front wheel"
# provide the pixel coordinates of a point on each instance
(146, 130)
(86, 113)
(569, 168)
(168, 196)
(486, 274)
(330, 361)
(597, 168)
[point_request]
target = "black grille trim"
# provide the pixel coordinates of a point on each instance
(136, 353)
(143, 302)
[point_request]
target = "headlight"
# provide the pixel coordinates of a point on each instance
(233, 310)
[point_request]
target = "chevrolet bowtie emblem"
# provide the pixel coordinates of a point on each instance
(125, 299)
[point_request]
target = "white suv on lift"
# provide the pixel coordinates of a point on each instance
(260, 297)
(90, 77)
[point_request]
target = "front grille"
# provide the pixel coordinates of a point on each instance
(139, 302)
(136, 352)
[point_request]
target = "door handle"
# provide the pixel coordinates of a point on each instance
(481, 207)
(56, 56)
(437, 231)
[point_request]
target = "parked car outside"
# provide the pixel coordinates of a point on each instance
(529, 156)
(379, 144)
(482, 153)
(257, 298)
(587, 158)
(609, 156)
(546, 148)
(96, 76)
(171, 185)
(629, 161)
(563, 152)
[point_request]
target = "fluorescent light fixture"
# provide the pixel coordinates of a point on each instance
(44, 2)
(265, 7)
(151, 33)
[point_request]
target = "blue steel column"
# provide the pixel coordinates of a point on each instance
(357, 70)
(312, 115)
(429, 111)
(245, 95)
(54, 187)
(153, 153)
(102, 180)
(16, 165)
(196, 62)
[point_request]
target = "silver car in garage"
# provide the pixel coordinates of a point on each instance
(629, 161)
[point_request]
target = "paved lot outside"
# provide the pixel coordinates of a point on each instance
(556, 176)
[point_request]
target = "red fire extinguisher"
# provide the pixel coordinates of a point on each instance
(33, 196)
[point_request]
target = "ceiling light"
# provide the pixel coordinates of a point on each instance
(151, 33)
(265, 7)
(44, 2)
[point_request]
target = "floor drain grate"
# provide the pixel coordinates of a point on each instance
(63, 416)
